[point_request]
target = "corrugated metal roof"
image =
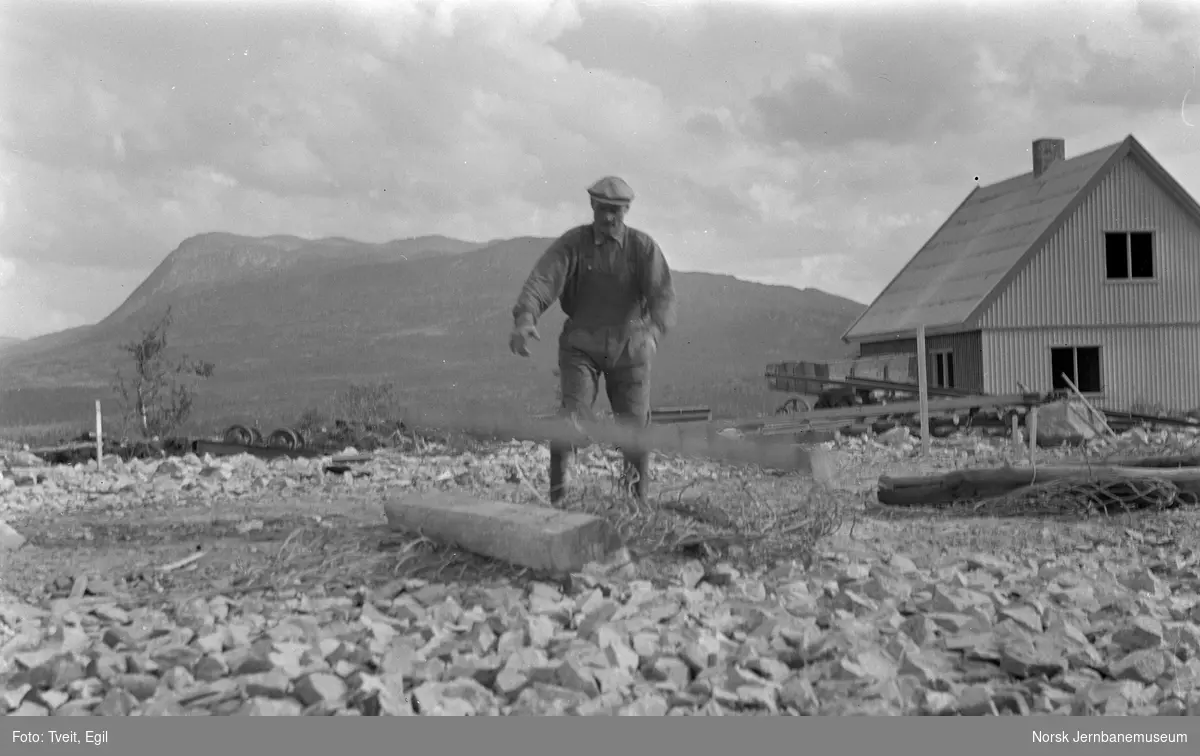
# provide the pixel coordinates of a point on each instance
(977, 247)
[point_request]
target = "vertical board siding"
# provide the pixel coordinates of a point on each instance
(967, 348)
(1064, 284)
(1150, 366)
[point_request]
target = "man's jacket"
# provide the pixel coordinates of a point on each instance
(619, 283)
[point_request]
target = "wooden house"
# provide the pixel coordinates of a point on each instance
(1087, 267)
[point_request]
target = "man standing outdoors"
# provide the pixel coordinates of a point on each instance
(615, 287)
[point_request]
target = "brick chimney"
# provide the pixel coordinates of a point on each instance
(1047, 152)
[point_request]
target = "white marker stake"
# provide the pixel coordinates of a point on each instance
(99, 437)
(923, 388)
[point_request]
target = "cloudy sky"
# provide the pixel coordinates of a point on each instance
(800, 143)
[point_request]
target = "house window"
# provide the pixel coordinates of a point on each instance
(1080, 364)
(1129, 255)
(943, 368)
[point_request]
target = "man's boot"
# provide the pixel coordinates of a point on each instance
(560, 470)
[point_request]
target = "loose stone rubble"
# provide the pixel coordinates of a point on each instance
(27, 484)
(984, 447)
(975, 636)
(1098, 629)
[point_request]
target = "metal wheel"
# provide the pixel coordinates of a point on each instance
(239, 434)
(794, 405)
(284, 438)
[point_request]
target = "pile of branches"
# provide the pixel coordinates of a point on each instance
(1088, 495)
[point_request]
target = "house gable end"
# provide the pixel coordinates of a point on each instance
(1165, 181)
(980, 249)
(978, 315)
(1063, 283)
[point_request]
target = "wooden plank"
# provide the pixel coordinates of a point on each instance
(1186, 460)
(801, 419)
(800, 385)
(679, 415)
(923, 388)
(1138, 418)
(973, 485)
(1093, 413)
(540, 538)
(658, 416)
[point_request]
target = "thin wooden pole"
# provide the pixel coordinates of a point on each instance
(923, 389)
(1033, 434)
(1093, 413)
(99, 436)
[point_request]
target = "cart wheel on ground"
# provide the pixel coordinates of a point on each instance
(941, 430)
(239, 434)
(284, 438)
(884, 425)
(794, 405)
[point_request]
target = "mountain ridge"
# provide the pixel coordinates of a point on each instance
(429, 314)
(213, 258)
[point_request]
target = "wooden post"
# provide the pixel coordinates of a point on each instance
(1015, 438)
(923, 388)
(1033, 433)
(99, 437)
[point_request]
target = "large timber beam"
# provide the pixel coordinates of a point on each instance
(540, 538)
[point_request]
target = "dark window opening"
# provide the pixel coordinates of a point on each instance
(943, 369)
(1080, 364)
(1129, 254)
(1141, 255)
(1116, 256)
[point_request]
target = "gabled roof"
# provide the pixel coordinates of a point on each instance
(988, 240)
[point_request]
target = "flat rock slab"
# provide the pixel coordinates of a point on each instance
(10, 539)
(529, 536)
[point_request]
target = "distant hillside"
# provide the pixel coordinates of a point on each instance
(288, 322)
(219, 258)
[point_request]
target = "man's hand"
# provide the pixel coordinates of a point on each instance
(655, 335)
(518, 342)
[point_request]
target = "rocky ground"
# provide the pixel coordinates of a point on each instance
(206, 587)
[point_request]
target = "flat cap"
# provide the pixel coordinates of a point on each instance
(611, 191)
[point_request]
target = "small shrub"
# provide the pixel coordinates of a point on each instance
(157, 397)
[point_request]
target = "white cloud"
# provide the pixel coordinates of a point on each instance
(797, 143)
(8, 272)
